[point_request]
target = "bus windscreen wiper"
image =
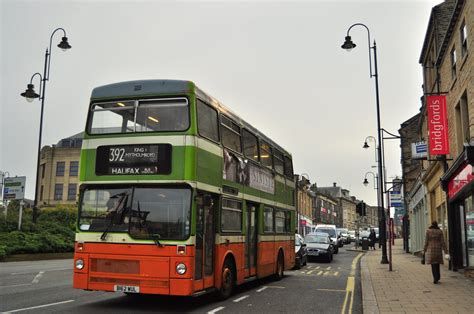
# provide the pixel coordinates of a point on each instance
(118, 211)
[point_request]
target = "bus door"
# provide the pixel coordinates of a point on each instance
(251, 240)
(204, 265)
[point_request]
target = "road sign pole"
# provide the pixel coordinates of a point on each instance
(20, 215)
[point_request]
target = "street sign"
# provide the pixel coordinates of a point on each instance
(419, 150)
(14, 188)
(395, 199)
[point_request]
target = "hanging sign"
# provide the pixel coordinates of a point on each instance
(437, 125)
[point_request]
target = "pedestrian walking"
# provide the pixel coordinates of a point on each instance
(372, 238)
(434, 245)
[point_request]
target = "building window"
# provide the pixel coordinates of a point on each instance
(73, 168)
(463, 39)
(41, 192)
(71, 192)
(60, 165)
(453, 63)
(462, 123)
(58, 192)
(43, 167)
(231, 216)
(208, 124)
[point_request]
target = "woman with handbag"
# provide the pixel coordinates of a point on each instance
(434, 245)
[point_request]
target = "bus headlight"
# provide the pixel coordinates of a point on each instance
(79, 264)
(181, 269)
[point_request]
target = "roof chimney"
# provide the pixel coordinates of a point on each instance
(334, 184)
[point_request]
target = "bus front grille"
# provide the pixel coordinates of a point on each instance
(115, 266)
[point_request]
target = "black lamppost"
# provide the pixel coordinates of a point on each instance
(349, 45)
(30, 95)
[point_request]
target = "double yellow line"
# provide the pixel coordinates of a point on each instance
(350, 286)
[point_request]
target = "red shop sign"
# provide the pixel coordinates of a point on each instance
(462, 179)
(437, 125)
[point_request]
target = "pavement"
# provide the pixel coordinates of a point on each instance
(409, 287)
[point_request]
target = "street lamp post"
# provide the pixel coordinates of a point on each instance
(30, 95)
(3, 174)
(349, 45)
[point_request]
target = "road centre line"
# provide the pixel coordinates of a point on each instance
(54, 269)
(241, 298)
(22, 284)
(261, 289)
(39, 306)
(216, 310)
(38, 277)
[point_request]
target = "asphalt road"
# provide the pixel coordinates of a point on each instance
(46, 286)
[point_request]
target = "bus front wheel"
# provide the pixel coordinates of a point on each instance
(228, 280)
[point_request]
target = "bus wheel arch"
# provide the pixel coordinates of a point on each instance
(228, 277)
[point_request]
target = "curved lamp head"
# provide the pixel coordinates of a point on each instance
(365, 182)
(365, 145)
(30, 93)
(64, 45)
(348, 44)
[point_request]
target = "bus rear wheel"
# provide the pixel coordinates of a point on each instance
(280, 269)
(228, 280)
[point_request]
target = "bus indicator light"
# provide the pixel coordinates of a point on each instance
(181, 249)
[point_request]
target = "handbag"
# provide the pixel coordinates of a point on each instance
(423, 259)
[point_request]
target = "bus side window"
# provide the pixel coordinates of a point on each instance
(230, 132)
(266, 156)
(278, 161)
(208, 124)
(288, 167)
(250, 143)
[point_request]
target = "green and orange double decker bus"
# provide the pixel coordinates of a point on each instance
(178, 195)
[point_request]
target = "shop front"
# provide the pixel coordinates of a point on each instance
(458, 182)
(419, 218)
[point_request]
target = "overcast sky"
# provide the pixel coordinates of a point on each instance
(278, 64)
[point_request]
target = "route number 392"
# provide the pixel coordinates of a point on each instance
(116, 154)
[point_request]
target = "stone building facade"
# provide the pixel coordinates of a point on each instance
(59, 172)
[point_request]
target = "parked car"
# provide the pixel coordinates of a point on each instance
(377, 239)
(319, 246)
(301, 252)
(351, 235)
(343, 232)
(331, 230)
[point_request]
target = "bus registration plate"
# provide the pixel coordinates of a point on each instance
(128, 289)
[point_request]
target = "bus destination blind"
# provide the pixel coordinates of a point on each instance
(138, 159)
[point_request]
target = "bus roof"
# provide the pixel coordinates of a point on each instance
(141, 88)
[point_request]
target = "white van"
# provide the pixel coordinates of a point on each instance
(332, 231)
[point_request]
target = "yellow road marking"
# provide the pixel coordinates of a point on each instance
(336, 273)
(308, 273)
(328, 268)
(326, 273)
(350, 286)
(320, 272)
(317, 267)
